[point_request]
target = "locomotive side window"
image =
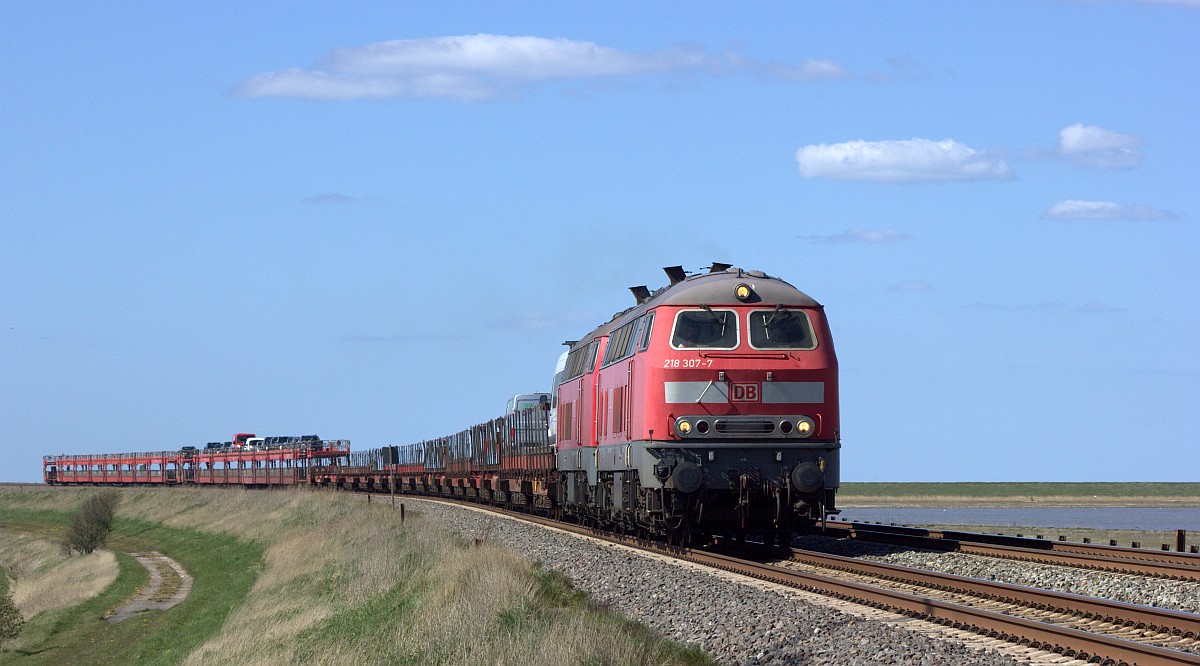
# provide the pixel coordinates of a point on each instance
(623, 342)
(781, 328)
(618, 343)
(591, 356)
(646, 332)
(705, 329)
(575, 363)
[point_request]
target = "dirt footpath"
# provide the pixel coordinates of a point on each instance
(169, 584)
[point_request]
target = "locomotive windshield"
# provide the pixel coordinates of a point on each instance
(781, 328)
(707, 329)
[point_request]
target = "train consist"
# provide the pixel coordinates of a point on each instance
(709, 407)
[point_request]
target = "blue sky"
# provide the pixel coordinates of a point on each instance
(377, 221)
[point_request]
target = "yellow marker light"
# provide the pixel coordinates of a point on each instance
(742, 292)
(804, 426)
(684, 427)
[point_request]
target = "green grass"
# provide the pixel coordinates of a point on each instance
(223, 570)
(358, 629)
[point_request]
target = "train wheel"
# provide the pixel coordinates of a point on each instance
(783, 537)
(680, 536)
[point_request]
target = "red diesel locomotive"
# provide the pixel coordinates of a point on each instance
(709, 407)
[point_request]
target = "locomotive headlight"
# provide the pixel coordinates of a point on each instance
(683, 427)
(742, 291)
(805, 426)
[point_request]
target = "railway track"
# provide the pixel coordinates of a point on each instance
(1065, 624)
(1165, 628)
(1139, 561)
(1084, 628)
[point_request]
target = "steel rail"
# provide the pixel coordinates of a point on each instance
(1178, 623)
(1055, 638)
(1039, 635)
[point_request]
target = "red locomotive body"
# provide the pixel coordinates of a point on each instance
(712, 405)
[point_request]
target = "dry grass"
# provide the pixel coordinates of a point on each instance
(343, 582)
(46, 579)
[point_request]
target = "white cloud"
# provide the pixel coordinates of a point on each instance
(1089, 145)
(809, 70)
(862, 236)
(473, 67)
(1076, 209)
(914, 160)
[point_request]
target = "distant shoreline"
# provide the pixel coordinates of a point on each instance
(1019, 494)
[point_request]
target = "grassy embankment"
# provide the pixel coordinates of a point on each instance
(315, 578)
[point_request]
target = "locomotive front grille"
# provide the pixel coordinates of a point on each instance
(791, 427)
(745, 426)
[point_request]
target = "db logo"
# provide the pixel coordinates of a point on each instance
(744, 392)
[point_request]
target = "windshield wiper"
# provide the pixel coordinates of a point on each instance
(775, 313)
(720, 320)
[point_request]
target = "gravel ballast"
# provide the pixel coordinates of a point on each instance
(736, 621)
(1157, 592)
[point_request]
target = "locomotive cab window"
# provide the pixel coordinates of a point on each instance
(781, 328)
(705, 329)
